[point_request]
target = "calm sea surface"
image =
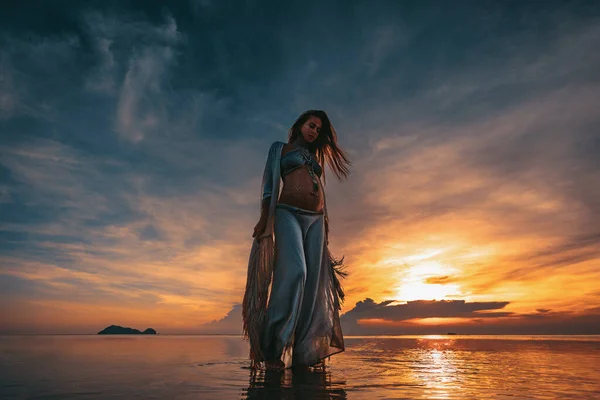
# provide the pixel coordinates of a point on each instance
(215, 367)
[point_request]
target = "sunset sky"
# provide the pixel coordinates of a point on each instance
(133, 139)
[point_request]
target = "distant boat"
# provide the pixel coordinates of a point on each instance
(451, 333)
(119, 330)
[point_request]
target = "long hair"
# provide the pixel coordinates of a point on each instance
(325, 147)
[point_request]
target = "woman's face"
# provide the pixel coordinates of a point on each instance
(310, 129)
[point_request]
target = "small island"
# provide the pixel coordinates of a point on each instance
(119, 330)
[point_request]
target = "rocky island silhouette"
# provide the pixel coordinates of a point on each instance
(119, 330)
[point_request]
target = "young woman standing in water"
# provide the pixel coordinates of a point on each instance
(300, 325)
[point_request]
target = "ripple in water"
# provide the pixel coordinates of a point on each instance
(203, 367)
(314, 384)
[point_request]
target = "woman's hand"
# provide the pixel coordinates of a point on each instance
(260, 227)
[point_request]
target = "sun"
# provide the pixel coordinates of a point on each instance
(424, 291)
(415, 285)
(424, 273)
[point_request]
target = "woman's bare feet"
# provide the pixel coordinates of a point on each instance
(306, 368)
(277, 365)
(301, 368)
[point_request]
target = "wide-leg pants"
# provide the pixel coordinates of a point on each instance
(299, 236)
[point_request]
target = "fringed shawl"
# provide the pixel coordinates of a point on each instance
(260, 265)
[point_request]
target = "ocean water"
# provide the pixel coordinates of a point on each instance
(216, 367)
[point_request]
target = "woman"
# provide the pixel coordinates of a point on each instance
(300, 325)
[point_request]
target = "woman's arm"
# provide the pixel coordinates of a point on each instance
(267, 180)
(267, 192)
(262, 222)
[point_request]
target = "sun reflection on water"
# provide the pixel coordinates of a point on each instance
(440, 374)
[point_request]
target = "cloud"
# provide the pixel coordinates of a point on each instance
(8, 93)
(369, 309)
(143, 95)
(141, 107)
(230, 324)
(435, 280)
(29, 70)
(427, 317)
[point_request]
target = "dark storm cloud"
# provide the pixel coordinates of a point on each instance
(369, 309)
(396, 320)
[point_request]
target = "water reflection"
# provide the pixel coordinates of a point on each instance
(311, 384)
(214, 367)
(437, 366)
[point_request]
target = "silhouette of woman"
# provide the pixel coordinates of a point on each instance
(295, 320)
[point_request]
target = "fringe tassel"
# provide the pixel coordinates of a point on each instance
(254, 305)
(260, 272)
(339, 271)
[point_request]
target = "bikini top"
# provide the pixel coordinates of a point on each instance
(296, 158)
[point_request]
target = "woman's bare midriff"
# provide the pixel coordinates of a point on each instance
(298, 190)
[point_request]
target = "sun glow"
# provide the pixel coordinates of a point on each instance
(439, 321)
(425, 291)
(415, 279)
